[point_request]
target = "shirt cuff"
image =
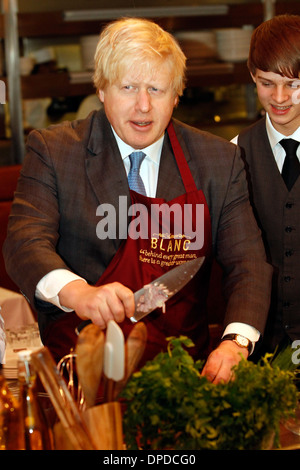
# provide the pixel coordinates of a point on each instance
(243, 329)
(50, 285)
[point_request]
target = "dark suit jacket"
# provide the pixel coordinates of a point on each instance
(277, 213)
(73, 167)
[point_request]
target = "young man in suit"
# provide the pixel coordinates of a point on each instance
(75, 262)
(275, 67)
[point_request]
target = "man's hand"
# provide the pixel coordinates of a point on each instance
(99, 304)
(220, 362)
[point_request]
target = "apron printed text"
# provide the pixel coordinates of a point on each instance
(165, 259)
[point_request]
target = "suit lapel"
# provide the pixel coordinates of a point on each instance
(106, 174)
(104, 165)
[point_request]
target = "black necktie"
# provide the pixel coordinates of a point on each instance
(291, 166)
(134, 178)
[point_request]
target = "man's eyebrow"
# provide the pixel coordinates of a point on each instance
(264, 78)
(284, 79)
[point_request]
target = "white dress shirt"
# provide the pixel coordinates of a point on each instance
(274, 138)
(150, 165)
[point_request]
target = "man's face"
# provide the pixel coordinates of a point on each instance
(140, 106)
(280, 97)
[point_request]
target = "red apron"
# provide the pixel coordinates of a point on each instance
(161, 247)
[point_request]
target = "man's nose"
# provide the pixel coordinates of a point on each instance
(280, 94)
(143, 101)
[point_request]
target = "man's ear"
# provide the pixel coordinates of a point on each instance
(101, 95)
(253, 77)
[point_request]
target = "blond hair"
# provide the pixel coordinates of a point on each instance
(130, 42)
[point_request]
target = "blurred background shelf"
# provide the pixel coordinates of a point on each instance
(219, 95)
(63, 83)
(53, 23)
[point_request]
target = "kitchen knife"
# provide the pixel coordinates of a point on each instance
(166, 286)
(157, 292)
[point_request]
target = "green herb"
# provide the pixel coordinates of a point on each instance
(170, 405)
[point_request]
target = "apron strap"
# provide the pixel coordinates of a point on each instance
(183, 166)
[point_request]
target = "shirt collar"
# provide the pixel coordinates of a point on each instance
(153, 151)
(275, 137)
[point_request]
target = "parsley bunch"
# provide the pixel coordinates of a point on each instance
(169, 405)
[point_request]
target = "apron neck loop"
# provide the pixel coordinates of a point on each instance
(183, 166)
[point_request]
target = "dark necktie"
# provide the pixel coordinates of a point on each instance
(291, 166)
(134, 179)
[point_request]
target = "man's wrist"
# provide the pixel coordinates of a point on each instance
(69, 293)
(52, 283)
(240, 340)
(243, 329)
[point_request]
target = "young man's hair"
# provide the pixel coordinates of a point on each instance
(275, 46)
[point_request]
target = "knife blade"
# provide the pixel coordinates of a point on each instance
(157, 292)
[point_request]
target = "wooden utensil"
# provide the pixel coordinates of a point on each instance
(134, 350)
(105, 425)
(64, 405)
(89, 361)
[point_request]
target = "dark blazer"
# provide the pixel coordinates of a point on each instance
(73, 167)
(277, 213)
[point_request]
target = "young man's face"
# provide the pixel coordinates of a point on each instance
(280, 97)
(140, 106)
